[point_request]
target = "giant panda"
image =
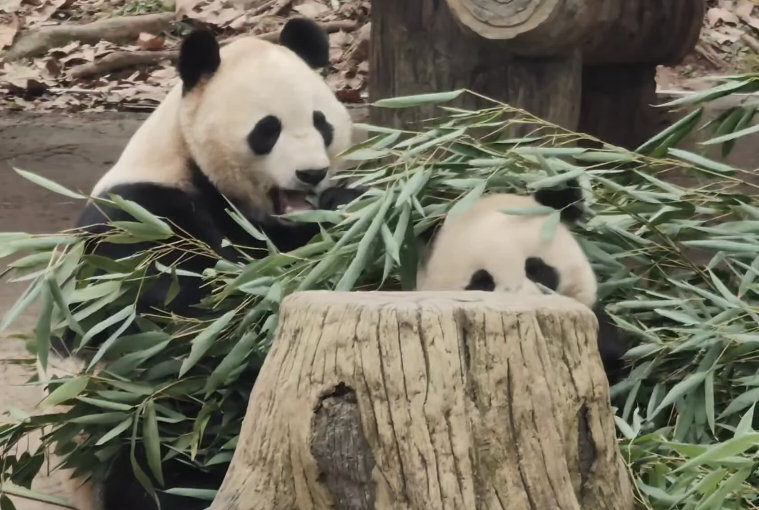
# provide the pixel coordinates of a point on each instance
(487, 249)
(251, 123)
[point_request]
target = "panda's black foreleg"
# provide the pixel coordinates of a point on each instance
(122, 491)
(612, 346)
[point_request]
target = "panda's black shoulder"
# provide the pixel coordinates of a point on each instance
(187, 210)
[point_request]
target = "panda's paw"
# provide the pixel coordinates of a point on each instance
(332, 198)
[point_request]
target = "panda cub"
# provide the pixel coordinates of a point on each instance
(252, 123)
(504, 252)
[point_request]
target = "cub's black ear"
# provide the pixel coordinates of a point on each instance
(307, 39)
(568, 199)
(198, 57)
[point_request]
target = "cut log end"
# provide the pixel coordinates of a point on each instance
(389, 400)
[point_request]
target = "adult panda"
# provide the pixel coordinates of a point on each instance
(251, 123)
(486, 249)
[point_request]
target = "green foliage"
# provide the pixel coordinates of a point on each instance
(672, 235)
(138, 7)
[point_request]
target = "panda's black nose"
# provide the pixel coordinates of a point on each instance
(312, 177)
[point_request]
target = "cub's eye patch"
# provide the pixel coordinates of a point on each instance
(481, 280)
(324, 127)
(540, 272)
(264, 135)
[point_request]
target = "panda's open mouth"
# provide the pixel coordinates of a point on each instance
(288, 201)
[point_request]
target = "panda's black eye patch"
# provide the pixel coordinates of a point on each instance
(324, 127)
(481, 280)
(540, 272)
(264, 135)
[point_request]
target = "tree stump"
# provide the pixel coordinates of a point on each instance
(383, 400)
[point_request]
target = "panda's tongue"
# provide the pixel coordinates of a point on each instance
(294, 201)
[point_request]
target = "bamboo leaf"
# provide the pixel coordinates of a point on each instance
(204, 494)
(48, 184)
(419, 99)
(43, 329)
(114, 432)
(236, 357)
(142, 215)
(152, 441)
(549, 227)
(701, 161)
(681, 126)
(721, 451)
(709, 400)
(29, 296)
(680, 389)
(733, 136)
(204, 340)
(391, 245)
(60, 302)
(358, 263)
(461, 206)
(65, 392)
(548, 182)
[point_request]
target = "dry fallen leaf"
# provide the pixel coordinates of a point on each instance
(10, 6)
(8, 28)
(717, 15)
(185, 6)
(52, 67)
(48, 9)
(311, 9)
(20, 79)
(150, 42)
(745, 8)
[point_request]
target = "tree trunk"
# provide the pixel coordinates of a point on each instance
(418, 47)
(627, 90)
(429, 400)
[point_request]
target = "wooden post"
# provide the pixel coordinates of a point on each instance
(540, 55)
(418, 47)
(427, 400)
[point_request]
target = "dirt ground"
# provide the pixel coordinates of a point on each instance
(74, 151)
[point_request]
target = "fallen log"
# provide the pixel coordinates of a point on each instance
(122, 60)
(429, 400)
(125, 59)
(37, 42)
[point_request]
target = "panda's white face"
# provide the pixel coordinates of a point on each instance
(486, 249)
(265, 123)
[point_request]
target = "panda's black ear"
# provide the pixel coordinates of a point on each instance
(568, 199)
(308, 40)
(198, 57)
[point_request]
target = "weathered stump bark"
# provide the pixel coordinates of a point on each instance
(429, 400)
